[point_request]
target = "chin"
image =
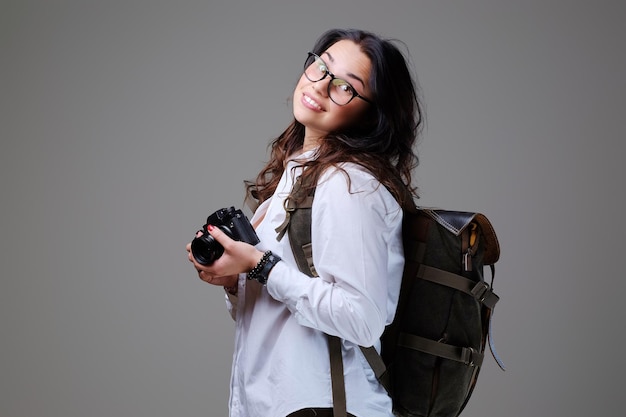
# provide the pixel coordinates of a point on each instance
(302, 115)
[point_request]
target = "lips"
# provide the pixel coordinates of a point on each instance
(311, 103)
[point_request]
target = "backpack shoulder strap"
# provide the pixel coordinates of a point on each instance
(336, 377)
(297, 225)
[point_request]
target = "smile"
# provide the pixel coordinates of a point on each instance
(312, 103)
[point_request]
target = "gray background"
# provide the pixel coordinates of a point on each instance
(125, 123)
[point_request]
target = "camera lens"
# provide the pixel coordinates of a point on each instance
(206, 249)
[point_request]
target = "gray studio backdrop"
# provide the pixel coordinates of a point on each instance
(125, 123)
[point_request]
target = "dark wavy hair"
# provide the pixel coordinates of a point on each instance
(383, 142)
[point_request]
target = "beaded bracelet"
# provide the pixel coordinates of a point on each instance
(262, 269)
(254, 272)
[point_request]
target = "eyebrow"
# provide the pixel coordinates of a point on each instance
(356, 77)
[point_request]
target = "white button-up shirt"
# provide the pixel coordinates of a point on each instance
(281, 362)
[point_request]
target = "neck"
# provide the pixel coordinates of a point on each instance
(311, 140)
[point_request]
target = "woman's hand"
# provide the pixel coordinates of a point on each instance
(238, 257)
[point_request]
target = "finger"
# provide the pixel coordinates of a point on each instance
(204, 276)
(221, 237)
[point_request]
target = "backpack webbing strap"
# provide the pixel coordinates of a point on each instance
(336, 377)
(297, 199)
(378, 366)
(297, 225)
(479, 290)
(466, 355)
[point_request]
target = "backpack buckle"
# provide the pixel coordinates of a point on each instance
(470, 360)
(484, 294)
(472, 357)
(480, 291)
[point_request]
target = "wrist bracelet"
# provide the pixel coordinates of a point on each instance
(262, 269)
(254, 272)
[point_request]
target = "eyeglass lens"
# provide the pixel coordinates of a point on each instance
(339, 90)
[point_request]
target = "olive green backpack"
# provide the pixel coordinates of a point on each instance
(433, 351)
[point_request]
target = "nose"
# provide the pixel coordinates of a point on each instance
(322, 86)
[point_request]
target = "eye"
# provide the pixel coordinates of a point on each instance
(321, 67)
(346, 88)
(342, 86)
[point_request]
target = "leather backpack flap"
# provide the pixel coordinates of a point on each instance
(457, 221)
(492, 246)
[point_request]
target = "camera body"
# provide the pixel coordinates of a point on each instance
(232, 222)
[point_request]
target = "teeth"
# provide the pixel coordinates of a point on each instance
(312, 102)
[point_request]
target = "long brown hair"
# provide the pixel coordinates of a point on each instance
(384, 144)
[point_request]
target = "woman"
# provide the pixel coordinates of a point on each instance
(356, 119)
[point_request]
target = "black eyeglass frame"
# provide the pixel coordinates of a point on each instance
(332, 76)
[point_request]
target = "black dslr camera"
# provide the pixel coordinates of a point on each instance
(230, 221)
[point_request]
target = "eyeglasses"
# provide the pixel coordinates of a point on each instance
(339, 90)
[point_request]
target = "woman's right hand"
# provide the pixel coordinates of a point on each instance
(238, 257)
(228, 281)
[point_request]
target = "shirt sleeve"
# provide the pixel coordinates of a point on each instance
(357, 251)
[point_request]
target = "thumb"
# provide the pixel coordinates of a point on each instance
(218, 234)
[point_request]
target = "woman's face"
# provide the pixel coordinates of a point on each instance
(314, 108)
